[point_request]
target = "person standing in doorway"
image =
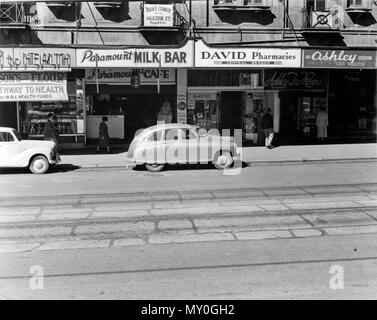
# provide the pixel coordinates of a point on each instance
(103, 140)
(268, 128)
(165, 114)
(50, 131)
(322, 122)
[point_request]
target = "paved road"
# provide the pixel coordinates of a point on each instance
(243, 236)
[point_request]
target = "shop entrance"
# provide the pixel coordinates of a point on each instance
(231, 110)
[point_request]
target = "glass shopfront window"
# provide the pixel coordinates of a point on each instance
(69, 115)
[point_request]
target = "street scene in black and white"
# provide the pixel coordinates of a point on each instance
(188, 149)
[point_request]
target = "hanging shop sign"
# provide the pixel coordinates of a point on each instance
(136, 57)
(36, 59)
(123, 75)
(33, 86)
(158, 15)
(246, 57)
(295, 79)
(339, 59)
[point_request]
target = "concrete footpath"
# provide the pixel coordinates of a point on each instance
(249, 155)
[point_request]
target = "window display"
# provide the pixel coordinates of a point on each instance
(69, 115)
(203, 110)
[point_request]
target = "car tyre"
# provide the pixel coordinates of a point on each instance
(39, 165)
(223, 160)
(155, 167)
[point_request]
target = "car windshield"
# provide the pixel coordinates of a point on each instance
(17, 135)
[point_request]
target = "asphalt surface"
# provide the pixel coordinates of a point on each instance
(273, 231)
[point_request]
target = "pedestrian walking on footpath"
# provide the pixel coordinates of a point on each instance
(103, 140)
(50, 131)
(322, 122)
(268, 128)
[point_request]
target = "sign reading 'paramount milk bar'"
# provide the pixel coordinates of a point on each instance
(137, 57)
(339, 59)
(246, 57)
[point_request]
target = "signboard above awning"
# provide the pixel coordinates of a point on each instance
(239, 57)
(181, 57)
(328, 58)
(36, 59)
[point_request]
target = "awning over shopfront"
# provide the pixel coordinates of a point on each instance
(144, 57)
(245, 57)
(36, 59)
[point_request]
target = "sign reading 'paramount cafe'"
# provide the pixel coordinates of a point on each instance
(136, 57)
(220, 57)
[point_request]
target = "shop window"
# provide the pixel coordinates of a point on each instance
(6, 137)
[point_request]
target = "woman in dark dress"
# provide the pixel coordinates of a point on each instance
(103, 140)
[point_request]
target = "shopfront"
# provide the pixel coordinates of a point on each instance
(227, 89)
(35, 82)
(135, 87)
(352, 94)
(302, 93)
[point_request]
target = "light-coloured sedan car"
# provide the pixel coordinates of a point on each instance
(175, 143)
(17, 153)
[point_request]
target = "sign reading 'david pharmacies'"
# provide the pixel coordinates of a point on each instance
(122, 75)
(136, 57)
(219, 57)
(339, 59)
(36, 59)
(295, 79)
(33, 86)
(158, 15)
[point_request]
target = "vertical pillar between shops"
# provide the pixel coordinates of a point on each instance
(181, 96)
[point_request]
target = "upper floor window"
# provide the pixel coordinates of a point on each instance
(317, 5)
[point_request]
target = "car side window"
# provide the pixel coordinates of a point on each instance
(188, 134)
(6, 137)
(171, 134)
(155, 136)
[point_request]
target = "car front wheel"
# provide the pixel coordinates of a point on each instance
(223, 160)
(39, 165)
(154, 167)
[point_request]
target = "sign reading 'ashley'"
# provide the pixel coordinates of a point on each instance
(339, 59)
(245, 57)
(136, 57)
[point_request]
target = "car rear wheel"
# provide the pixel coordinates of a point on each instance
(39, 165)
(223, 160)
(155, 167)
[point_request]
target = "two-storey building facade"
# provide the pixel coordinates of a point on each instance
(217, 63)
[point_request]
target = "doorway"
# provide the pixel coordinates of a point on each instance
(231, 110)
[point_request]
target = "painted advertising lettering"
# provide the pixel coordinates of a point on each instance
(206, 56)
(160, 15)
(122, 75)
(294, 79)
(26, 59)
(340, 59)
(38, 86)
(137, 57)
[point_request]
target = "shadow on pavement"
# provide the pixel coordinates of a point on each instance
(53, 169)
(182, 167)
(90, 151)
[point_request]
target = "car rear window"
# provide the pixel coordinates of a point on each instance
(6, 137)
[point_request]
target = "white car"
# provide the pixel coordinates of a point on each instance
(17, 153)
(176, 143)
